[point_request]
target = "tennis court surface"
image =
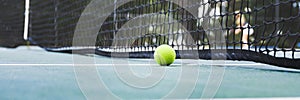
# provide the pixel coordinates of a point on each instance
(109, 49)
(32, 73)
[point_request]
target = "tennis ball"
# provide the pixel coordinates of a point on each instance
(164, 55)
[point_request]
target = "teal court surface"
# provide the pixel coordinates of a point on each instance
(30, 73)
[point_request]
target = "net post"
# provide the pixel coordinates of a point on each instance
(26, 21)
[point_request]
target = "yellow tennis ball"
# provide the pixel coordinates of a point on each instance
(164, 55)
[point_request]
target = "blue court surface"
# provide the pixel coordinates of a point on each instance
(31, 73)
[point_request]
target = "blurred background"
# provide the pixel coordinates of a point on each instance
(50, 18)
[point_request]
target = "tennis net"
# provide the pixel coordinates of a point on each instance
(11, 23)
(264, 31)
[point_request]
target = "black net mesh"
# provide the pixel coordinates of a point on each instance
(257, 30)
(11, 22)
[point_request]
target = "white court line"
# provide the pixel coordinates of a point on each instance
(124, 64)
